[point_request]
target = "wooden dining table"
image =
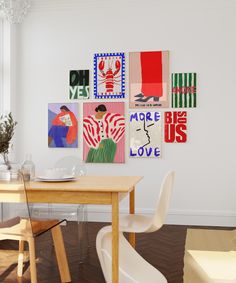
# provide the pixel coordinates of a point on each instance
(100, 190)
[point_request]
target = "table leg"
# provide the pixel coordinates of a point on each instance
(115, 238)
(132, 211)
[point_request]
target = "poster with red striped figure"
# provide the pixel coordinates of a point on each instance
(149, 79)
(175, 123)
(103, 132)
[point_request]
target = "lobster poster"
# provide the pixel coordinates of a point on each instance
(109, 75)
(63, 125)
(145, 134)
(79, 84)
(149, 79)
(184, 90)
(104, 132)
(175, 124)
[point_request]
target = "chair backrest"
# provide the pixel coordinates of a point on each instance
(16, 209)
(14, 206)
(163, 201)
(73, 164)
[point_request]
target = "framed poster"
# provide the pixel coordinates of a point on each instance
(63, 125)
(175, 124)
(109, 75)
(103, 131)
(184, 90)
(145, 134)
(79, 84)
(149, 79)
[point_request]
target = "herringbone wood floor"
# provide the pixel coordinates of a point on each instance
(164, 249)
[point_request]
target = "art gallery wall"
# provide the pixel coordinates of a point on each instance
(59, 36)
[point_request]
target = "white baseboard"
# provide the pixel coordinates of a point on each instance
(202, 218)
(177, 217)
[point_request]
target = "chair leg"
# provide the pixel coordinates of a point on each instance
(83, 234)
(85, 212)
(20, 258)
(33, 271)
(81, 242)
(61, 254)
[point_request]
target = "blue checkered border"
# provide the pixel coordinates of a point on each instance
(95, 81)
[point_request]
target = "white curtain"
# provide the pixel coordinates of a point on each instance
(1, 65)
(5, 65)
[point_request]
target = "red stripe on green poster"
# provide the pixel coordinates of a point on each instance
(184, 90)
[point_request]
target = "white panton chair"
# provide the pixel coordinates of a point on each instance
(145, 224)
(132, 267)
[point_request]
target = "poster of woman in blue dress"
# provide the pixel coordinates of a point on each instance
(63, 125)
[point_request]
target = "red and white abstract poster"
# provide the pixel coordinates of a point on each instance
(149, 79)
(175, 124)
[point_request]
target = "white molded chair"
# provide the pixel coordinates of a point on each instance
(145, 224)
(210, 256)
(132, 267)
(210, 266)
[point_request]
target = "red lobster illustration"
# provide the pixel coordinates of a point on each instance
(109, 78)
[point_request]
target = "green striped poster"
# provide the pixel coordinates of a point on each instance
(184, 90)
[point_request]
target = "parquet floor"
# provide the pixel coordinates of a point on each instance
(164, 249)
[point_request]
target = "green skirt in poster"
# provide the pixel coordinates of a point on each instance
(104, 154)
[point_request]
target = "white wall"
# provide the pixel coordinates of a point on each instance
(58, 36)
